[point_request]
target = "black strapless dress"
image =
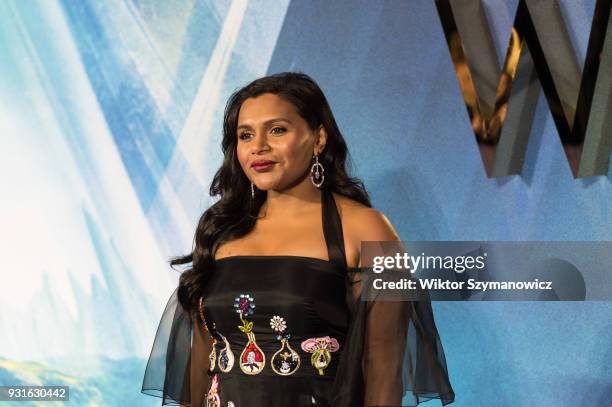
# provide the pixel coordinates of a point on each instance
(292, 331)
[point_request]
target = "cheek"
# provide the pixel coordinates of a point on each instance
(242, 156)
(295, 152)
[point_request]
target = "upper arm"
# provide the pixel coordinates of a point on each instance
(377, 226)
(371, 225)
(385, 322)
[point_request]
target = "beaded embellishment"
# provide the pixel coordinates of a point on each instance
(285, 361)
(212, 356)
(226, 356)
(212, 398)
(252, 358)
(321, 349)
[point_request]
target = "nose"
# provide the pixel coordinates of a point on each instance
(260, 143)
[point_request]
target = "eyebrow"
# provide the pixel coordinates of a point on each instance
(267, 122)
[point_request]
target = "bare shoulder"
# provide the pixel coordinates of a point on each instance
(370, 223)
(362, 223)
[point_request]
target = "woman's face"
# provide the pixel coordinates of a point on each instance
(270, 129)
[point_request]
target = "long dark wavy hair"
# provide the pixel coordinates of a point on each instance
(233, 216)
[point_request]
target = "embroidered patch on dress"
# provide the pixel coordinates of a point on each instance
(230, 404)
(212, 356)
(212, 398)
(321, 349)
(285, 361)
(226, 356)
(252, 358)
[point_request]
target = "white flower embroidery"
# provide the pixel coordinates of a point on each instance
(277, 323)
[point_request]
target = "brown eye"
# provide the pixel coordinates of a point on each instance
(278, 130)
(243, 135)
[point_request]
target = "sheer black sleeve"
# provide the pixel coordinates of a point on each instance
(177, 367)
(393, 355)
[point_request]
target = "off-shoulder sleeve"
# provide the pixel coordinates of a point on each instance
(393, 355)
(177, 367)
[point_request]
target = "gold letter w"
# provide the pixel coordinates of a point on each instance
(501, 106)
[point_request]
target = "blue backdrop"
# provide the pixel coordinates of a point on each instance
(110, 122)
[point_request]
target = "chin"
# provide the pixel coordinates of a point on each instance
(265, 186)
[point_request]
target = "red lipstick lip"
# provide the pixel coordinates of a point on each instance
(262, 163)
(263, 166)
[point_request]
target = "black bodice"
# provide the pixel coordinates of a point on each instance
(294, 331)
(296, 305)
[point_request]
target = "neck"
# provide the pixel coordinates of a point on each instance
(292, 201)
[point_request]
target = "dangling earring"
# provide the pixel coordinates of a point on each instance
(252, 191)
(316, 174)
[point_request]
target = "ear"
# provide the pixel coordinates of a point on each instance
(320, 140)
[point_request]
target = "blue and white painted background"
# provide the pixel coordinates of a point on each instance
(110, 129)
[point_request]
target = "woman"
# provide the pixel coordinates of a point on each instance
(269, 314)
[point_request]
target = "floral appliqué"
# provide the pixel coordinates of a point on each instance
(285, 361)
(212, 398)
(321, 349)
(252, 358)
